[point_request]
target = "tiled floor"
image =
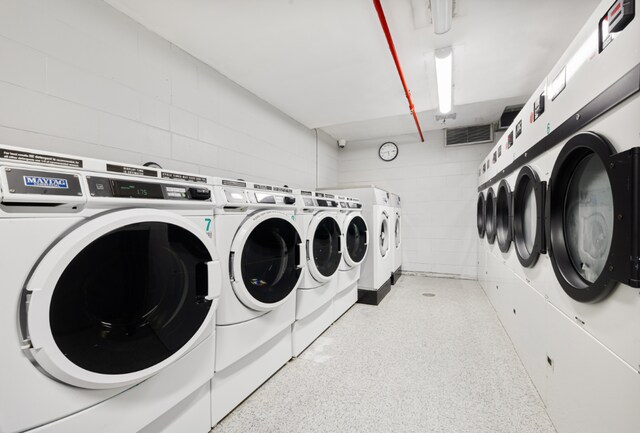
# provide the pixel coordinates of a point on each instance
(412, 364)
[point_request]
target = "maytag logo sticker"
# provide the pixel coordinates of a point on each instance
(46, 182)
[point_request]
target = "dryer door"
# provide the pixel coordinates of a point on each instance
(503, 216)
(490, 216)
(266, 260)
(120, 297)
(324, 247)
(356, 239)
(384, 234)
(480, 215)
(528, 217)
(593, 194)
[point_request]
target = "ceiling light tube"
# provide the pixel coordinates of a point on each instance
(444, 74)
(442, 15)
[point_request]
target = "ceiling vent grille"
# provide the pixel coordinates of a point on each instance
(468, 135)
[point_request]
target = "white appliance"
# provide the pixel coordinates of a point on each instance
(396, 237)
(317, 216)
(375, 273)
(356, 243)
(110, 286)
(262, 252)
(567, 290)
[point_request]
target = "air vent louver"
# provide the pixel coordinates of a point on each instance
(468, 135)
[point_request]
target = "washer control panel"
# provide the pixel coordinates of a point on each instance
(125, 188)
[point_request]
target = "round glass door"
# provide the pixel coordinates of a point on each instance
(503, 216)
(131, 298)
(589, 218)
(396, 234)
(480, 215)
(325, 247)
(490, 217)
(269, 262)
(528, 217)
(582, 227)
(356, 240)
(119, 297)
(384, 235)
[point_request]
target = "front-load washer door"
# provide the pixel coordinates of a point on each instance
(324, 247)
(592, 202)
(356, 239)
(266, 260)
(384, 234)
(528, 217)
(119, 297)
(396, 232)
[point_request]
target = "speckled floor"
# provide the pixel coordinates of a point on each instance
(412, 364)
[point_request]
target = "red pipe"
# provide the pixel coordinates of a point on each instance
(392, 48)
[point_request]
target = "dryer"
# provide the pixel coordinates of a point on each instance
(110, 286)
(375, 273)
(571, 158)
(355, 247)
(259, 242)
(396, 237)
(317, 216)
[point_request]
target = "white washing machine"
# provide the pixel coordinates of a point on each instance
(356, 243)
(375, 273)
(567, 292)
(262, 252)
(396, 235)
(317, 216)
(110, 287)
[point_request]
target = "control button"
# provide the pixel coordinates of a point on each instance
(289, 200)
(199, 193)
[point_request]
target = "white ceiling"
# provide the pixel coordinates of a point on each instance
(326, 63)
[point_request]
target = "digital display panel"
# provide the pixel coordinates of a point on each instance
(133, 189)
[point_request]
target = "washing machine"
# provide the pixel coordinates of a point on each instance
(110, 288)
(572, 161)
(263, 255)
(355, 247)
(317, 216)
(375, 272)
(396, 237)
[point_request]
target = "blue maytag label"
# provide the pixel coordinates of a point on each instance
(46, 182)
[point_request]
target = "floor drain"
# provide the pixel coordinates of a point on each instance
(429, 295)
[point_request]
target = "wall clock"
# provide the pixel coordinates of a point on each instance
(388, 151)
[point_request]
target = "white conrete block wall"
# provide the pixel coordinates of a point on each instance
(80, 77)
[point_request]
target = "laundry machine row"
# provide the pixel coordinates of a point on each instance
(110, 290)
(559, 222)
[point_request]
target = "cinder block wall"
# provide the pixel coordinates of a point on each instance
(77, 76)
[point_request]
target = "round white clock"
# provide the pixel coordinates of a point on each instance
(388, 151)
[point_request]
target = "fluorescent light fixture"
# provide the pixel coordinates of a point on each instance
(444, 73)
(441, 14)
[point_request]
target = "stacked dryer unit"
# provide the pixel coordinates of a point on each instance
(110, 289)
(396, 237)
(263, 255)
(317, 216)
(355, 246)
(375, 273)
(559, 209)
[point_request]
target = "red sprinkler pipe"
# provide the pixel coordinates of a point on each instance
(392, 48)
